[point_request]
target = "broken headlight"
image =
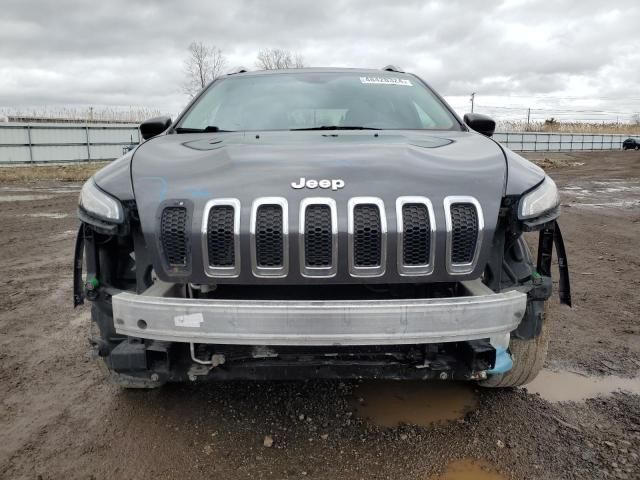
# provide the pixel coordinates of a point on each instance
(542, 199)
(100, 204)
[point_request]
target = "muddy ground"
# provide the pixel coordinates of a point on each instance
(60, 418)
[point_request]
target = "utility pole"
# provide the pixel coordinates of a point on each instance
(528, 117)
(473, 94)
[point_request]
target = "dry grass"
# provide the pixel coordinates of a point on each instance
(569, 127)
(547, 163)
(80, 114)
(72, 172)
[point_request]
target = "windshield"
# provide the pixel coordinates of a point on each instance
(290, 101)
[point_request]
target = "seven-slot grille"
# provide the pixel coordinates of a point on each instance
(174, 236)
(318, 236)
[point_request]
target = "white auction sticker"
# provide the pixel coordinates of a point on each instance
(192, 320)
(405, 82)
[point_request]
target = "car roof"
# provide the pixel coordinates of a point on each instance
(368, 71)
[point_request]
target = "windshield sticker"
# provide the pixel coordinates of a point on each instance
(387, 81)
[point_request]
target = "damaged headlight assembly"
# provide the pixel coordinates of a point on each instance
(96, 203)
(542, 199)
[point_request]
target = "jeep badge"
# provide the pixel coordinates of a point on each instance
(334, 183)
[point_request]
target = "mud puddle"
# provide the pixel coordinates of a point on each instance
(23, 198)
(623, 194)
(390, 404)
(468, 469)
(55, 216)
(569, 386)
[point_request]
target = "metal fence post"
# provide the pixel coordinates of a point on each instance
(86, 131)
(30, 144)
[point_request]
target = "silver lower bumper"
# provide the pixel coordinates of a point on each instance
(483, 314)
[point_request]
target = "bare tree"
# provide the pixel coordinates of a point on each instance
(275, 58)
(204, 64)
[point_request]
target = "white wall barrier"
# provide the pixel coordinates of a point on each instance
(31, 142)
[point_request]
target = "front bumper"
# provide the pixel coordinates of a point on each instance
(158, 316)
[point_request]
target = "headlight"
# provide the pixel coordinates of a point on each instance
(99, 204)
(540, 200)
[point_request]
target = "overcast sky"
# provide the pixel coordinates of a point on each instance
(551, 55)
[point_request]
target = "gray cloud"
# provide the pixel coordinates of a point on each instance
(131, 53)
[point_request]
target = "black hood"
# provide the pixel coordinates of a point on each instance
(195, 168)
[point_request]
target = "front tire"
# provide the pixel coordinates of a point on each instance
(528, 359)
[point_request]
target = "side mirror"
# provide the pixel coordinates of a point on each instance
(480, 123)
(154, 126)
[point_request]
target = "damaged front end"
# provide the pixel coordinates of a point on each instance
(152, 331)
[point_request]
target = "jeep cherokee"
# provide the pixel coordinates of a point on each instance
(334, 223)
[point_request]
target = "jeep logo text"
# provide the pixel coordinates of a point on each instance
(333, 184)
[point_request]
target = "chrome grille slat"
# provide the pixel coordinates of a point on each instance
(367, 237)
(221, 237)
(465, 226)
(318, 246)
(270, 237)
(416, 235)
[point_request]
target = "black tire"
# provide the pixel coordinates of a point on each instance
(637, 147)
(528, 359)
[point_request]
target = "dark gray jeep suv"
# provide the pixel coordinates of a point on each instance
(334, 223)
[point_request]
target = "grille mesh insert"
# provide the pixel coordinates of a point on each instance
(464, 222)
(416, 237)
(220, 236)
(174, 236)
(318, 236)
(269, 239)
(367, 236)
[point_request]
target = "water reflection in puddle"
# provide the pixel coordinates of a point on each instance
(622, 194)
(23, 198)
(568, 386)
(467, 469)
(54, 216)
(390, 403)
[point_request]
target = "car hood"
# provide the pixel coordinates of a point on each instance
(247, 166)
(195, 168)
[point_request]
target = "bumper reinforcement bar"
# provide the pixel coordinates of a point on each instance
(481, 314)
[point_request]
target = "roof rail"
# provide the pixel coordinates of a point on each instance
(391, 68)
(239, 69)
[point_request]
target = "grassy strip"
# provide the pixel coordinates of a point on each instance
(71, 172)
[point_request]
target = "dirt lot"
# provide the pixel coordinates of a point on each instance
(59, 418)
